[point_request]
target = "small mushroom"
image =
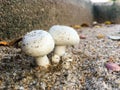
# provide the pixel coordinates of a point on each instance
(38, 43)
(63, 36)
(55, 59)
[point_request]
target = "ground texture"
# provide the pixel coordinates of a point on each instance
(82, 68)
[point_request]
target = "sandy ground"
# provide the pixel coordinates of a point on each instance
(82, 68)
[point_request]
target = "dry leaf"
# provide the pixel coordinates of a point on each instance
(15, 41)
(11, 43)
(4, 43)
(107, 22)
(84, 25)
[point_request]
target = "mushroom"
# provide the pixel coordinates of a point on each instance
(63, 36)
(55, 59)
(38, 43)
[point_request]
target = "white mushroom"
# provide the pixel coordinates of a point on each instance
(55, 59)
(63, 36)
(38, 43)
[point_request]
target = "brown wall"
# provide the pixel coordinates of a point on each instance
(20, 16)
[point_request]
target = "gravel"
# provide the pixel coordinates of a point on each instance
(82, 68)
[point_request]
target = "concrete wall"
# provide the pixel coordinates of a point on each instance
(20, 16)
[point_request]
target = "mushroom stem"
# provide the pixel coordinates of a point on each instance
(43, 61)
(60, 50)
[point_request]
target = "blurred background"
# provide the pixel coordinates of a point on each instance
(20, 16)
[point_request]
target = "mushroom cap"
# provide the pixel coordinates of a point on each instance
(37, 43)
(64, 35)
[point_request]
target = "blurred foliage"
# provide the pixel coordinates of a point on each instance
(113, 0)
(107, 12)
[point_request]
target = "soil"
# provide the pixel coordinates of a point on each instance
(82, 68)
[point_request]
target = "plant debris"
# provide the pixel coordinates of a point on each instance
(11, 43)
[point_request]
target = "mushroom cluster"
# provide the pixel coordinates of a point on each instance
(63, 36)
(39, 43)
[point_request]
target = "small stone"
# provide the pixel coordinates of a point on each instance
(66, 65)
(97, 26)
(118, 43)
(21, 88)
(99, 36)
(64, 88)
(112, 66)
(43, 85)
(82, 37)
(95, 23)
(69, 60)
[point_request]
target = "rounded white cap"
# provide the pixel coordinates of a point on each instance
(55, 58)
(64, 35)
(37, 43)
